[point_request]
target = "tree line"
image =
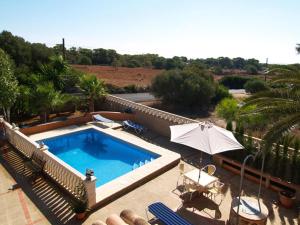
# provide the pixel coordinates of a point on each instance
(28, 56)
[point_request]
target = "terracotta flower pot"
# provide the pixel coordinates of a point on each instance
(80, 216)
(287, 199)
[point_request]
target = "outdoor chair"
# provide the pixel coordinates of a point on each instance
(181, 173)
(102, 119)
(166, 215)
(128, 124)
(35, 164)
(210, 169)
(216, 189)
(191, 188)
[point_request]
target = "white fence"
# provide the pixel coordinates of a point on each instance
(59, 171)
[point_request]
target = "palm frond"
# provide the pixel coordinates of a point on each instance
(281, 128)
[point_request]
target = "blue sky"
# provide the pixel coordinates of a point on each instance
(192, 28)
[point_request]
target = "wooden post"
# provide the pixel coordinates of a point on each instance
(63, 49)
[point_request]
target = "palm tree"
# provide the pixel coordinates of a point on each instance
(93, 89)
(46, 99)
(280, 104)
(55, 70)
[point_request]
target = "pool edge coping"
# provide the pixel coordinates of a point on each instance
(109, 191)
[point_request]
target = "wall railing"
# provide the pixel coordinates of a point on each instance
(151, 113)
(59, 171)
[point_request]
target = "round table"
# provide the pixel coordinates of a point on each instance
(249, 213)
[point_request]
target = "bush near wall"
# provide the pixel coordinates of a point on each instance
(234, 82)
(279, 162)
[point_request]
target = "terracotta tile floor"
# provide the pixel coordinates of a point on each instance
(44, 203)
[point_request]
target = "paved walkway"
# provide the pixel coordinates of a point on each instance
(44, 203)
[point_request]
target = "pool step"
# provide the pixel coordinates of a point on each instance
(141, 163)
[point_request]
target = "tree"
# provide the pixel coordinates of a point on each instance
(16, 47)
(93, 89)
(55, 70)
(221, 93)
(225, 62)
(234, 82)
(116, 64)
(45, 98)
(255, 85)
(40, 54)
(8, 85)
(280, 105)
(238, 63)
(227, 109)
(186, 88)
(251, 69)
(170, 64)
(159, 63)
(84, 60)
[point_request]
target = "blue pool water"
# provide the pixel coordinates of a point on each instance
(108, 156)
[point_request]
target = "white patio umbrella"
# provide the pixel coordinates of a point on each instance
(204, 136)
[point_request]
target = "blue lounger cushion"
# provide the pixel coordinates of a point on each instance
(166, 215)
(137, 127)
(100, 118)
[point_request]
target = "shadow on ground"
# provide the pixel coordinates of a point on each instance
(48, 198)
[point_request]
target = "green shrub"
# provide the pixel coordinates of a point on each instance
(251, 69)
(251, 121)
(84, 60)
(229, 126)
(132, 88)
(185, 88)
(234, 82)
(221, 93)
(255, 85)
(227, 109)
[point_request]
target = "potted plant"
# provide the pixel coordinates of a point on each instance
(80, 208)
(81, 203)
(287, 198)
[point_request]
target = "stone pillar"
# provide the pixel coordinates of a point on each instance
(14, 128)
(90, 187)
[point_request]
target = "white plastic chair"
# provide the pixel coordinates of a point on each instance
(210, 169)
(216, 189)
(181, 173)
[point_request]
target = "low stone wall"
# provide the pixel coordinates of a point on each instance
(75, 121)
(158, 120)
(273, 183)
(154, 119)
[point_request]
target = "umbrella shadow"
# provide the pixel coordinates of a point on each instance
(203, 205)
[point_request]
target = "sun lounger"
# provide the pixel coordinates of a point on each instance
(100, 118)
(128, 124)
(166, 215)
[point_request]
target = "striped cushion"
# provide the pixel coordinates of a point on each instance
(166, 215)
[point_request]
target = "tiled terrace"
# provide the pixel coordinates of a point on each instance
(44, 203)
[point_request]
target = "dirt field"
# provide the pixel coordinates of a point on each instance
(121, 76)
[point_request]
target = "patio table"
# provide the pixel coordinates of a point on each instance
(205, 179)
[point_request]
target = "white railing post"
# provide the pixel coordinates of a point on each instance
(14, 128)
(90, 187)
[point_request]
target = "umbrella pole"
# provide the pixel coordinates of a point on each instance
(200, 166)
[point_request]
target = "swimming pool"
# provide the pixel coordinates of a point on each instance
(108, 156)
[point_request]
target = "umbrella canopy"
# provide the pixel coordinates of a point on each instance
(205, 137)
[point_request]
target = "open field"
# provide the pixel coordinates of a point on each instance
(121, 76)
